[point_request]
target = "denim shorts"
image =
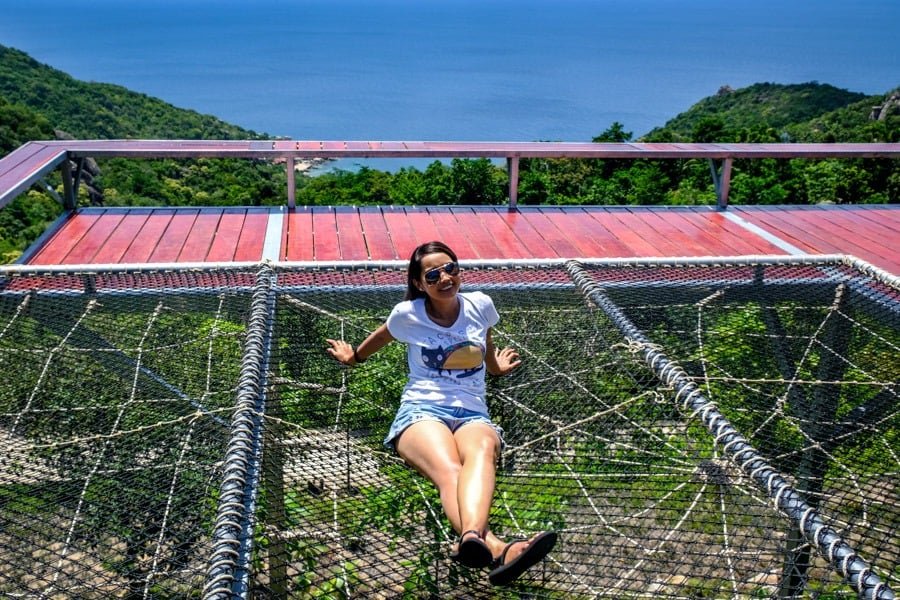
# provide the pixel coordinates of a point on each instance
(453, 417)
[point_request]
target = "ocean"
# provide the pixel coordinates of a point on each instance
(481, 70)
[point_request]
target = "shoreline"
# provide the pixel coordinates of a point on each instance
(304, 165)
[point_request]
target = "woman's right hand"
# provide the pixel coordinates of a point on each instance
(342, 351)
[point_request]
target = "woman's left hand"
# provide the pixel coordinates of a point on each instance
(507, 360)
(341, 351)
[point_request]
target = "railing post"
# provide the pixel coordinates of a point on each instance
(721, 181)
(291, 182)
(512, 167)
(70, 189)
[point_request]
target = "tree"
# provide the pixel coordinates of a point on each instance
(615, 133)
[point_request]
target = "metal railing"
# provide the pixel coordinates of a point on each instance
(30, 163)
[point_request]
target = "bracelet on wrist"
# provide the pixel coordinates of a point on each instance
(356, 357)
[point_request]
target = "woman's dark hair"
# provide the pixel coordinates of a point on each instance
(414, 272)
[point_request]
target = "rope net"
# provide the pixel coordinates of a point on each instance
(691, 431)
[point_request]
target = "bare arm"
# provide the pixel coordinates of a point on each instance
(500, 362)
(344, 352)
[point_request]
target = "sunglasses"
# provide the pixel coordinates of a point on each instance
(432, 276)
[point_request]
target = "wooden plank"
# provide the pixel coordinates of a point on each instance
(709, 240)
(755, 243)
(888, 226)
(479, 237)
(874, 224)
(520, 225)
(18, 174)
(308, 145)
(350, 234)
(890, 211)
(172, 240)
(575, 233)
(59, 246)
(778, 223)
(631, 230)
(201, 236)
(889, 215)
(20, 162)
(326, 245)
(498, 228)
(49, 232)
(600, 240)
(550, 234)
(20, 166)
(84, 251)
(375, 231)
(670, 235)
(253, 236)
(422, 226)
(450, 231)
(151, 232)
(389, 233)
(826, 223)
(297, 243)
(228, 232)
(403, 236)
(645, 221)
(125, 233)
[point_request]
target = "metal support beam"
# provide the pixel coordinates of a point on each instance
(52, 191)
(819, 422)
(76, 178)
(70, 192)
(721, 175)
(512, 167)
(291, 182)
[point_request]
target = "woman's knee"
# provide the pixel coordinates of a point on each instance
(478, 439)
(430, 448)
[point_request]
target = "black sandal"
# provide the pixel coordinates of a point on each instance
(472, 552)
(538, 547)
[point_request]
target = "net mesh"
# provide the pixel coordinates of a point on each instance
(691, 431)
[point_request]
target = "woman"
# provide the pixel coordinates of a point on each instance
(442, 427)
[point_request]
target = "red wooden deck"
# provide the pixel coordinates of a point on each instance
(345, 233)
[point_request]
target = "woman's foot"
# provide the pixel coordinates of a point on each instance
(471, 551)
(520, 555)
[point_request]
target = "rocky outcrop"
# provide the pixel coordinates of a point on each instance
(890, 106)
(89, 171)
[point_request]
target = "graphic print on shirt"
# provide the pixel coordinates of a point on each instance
(467, 356)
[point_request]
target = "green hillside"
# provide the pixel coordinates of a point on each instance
(760, 105)
(101, 110)
(855, 122)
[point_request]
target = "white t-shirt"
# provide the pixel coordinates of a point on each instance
(446, 364)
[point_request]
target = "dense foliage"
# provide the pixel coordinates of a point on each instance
(39, 102)
(89, 110)
(767, 104)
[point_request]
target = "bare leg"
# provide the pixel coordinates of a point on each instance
(478, 447)
(463, 468)
(461, 465)
(431, 449)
